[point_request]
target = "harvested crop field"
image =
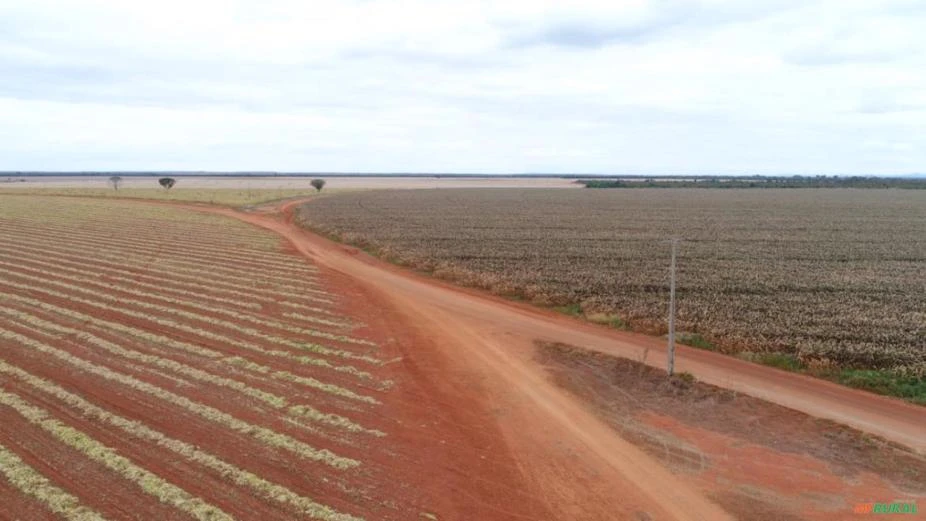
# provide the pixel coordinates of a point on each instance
(159, 363)
(827, 281)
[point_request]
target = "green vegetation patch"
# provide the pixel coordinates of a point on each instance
(885, 382)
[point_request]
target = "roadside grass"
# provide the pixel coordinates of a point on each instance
(878, 381)
(609, 320)
(574, 310)
(884, 382)
(696, 340)
(785, 361)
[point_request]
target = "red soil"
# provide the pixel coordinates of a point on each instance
(167, 279)
(327, 375)
(16, 506)
(476, 428)
(277, 465)
(53, 282)
(68, 469)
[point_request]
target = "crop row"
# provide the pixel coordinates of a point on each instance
(170, 269)
(223, 419)
(146, 481)
(59, 272)
(206, 238)
(208, 234)
(136, 280)
(138, 430)
(163, 227)
(273, 400)
(178, 260)
(185, 327)
(160, 340)
(28, 481)
(167, 278)
(225, 253)
(283, 264)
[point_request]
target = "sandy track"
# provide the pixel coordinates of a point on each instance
(573, 461)
(499, 319)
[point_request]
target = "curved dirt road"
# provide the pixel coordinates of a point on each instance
(580, 466)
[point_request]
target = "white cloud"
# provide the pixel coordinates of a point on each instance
(768, 86)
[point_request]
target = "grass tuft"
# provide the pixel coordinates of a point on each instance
(696, 340)
(574, 310)
(885, 382)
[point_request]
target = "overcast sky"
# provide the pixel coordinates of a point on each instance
(750, 86)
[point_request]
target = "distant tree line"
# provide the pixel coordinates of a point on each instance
(796, 181)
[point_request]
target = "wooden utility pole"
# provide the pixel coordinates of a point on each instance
(671, 356)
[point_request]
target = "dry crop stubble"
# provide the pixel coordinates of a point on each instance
(825, 278)
(203, 316)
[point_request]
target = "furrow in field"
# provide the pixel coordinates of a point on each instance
(214, 234)
(284, 264)
(171, 324)
(235, 360)
(30, 482)
(23, 507)
(135, 429)
(254, 280)
(206, 238)
(69, 469)
(285, 268)
(256, 242)
(297, 418)
(79, 276)
(263, 434)
(273, 400)
(148, 482)
(172, 268)
(118, 238)
(314, 479)
(94, 268)
(160, 277)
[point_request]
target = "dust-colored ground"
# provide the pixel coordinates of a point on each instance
(758, 460)
(439, 454)
(579, 466)
(478, 429)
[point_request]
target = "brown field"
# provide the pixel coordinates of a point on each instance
(158, 363)
(831, 281)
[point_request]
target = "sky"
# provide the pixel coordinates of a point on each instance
(610, 87)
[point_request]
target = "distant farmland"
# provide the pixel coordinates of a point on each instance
(826, 281)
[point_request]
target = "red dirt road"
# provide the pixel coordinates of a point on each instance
(578, 466)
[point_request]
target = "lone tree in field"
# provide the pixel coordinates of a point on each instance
(115, 181)
(318, 184)
(167, 182)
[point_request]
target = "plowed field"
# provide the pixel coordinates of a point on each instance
(158, 363)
